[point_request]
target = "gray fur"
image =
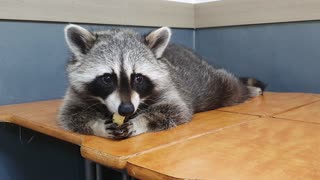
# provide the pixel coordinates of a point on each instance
(183, 83)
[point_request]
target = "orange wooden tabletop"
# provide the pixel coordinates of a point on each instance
(233, 142)
(116, 153)
(39, 116)
(308, 113)
(265, 148)
(272, 103)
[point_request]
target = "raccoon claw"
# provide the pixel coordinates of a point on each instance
(124, 131)
(112, 126)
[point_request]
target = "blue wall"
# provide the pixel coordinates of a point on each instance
(32, 67)
(286, 55)
(33, 57)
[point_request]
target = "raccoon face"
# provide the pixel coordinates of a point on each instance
(118, 67)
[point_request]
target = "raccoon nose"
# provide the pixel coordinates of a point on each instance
(126, 109)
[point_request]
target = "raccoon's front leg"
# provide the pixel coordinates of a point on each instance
(84, 119)
(155, 118)
(103, 128)
(91, 126)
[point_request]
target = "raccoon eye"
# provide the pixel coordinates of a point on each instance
(138, 79)
(107, 79)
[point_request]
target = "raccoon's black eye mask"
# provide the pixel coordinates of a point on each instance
(107, 79)
(104, 85)
(142, 84)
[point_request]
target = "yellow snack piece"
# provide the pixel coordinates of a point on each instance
(117, 118)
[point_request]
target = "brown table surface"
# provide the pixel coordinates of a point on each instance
(308, 113)
(39, 116)
(269, 136)
(272, 103)
(116, 153)
(265, 148)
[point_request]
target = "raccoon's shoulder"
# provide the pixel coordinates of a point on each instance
(177, 53)
(177, 50)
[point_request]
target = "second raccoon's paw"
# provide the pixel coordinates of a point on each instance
(255, 91)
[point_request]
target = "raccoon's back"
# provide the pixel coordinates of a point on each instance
(183, 58)
(200, 84)
(193, 76)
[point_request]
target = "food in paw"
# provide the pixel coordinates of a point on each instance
(117, 118)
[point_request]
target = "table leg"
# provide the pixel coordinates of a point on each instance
(90, 170)
(95, 171)
(99, 172)
(125, 176)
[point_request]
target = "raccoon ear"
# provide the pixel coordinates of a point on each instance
(158, 40)
(79, 40)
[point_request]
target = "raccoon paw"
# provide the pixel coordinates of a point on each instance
(111, 126)
(255, 91)
(124, 131)
(103, 129)
(132, 127)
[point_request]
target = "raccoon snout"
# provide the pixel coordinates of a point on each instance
(126, 109)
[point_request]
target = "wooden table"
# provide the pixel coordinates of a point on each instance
(273, 136)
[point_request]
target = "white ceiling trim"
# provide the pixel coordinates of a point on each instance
(194, 1)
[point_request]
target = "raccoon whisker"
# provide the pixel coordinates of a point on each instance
(139, 109)
(85, 110)
(143, 103)
(150, 100)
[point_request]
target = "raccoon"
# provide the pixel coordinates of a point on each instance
(156, 85)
